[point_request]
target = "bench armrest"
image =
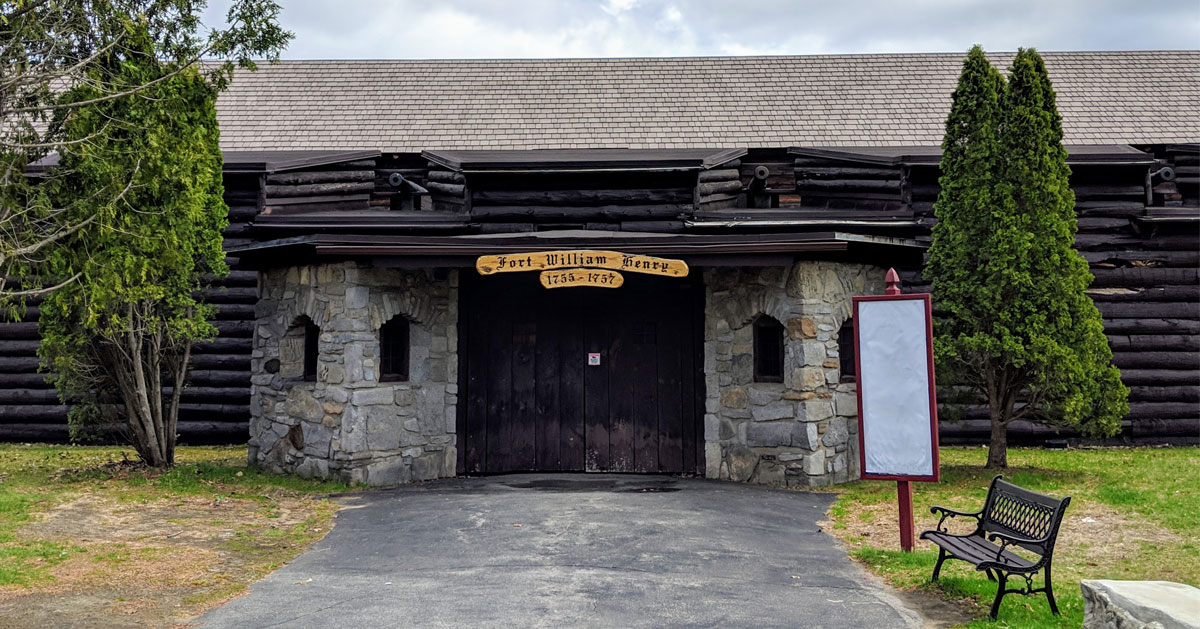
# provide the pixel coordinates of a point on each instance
(950, 513)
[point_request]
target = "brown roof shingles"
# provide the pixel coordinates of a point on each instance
(843, 100)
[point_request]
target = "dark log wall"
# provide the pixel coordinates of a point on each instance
(216, 405)
(334, 187)
(624, 201)
(1147, 288)
(1146, 259)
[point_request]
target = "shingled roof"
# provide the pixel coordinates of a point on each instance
(845, 100)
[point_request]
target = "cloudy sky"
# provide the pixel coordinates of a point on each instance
(415, 29)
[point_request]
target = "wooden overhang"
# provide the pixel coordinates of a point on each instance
(698, 249)
(583, 160)
(248, 162)
(931, 155)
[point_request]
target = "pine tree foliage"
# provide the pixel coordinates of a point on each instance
(48, 46)
(122, 335)
(1016, 324)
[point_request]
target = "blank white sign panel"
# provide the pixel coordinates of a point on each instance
(894, 385)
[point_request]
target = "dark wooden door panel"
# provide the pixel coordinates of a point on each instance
(499, 393)
(532, 402)
(671, 346)
(596, 397)
(572, 361)
(548, 417)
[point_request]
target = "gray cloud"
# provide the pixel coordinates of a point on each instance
(358, 29)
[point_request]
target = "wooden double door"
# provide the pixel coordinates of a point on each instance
(580, 379)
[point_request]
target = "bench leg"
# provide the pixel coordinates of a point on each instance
(1000, 592)
(938, 568)
(990, 576)
(1050, 592)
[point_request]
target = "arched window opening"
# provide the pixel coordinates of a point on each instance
(768, 349)
(394, 350)
(846, 351)
(298, 350)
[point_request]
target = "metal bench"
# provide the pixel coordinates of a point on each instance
(1011, 517)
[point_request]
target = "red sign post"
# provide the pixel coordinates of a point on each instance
(897, 401)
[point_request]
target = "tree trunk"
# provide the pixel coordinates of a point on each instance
(138, 358)
(998, 446)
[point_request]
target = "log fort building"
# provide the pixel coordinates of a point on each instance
(357, 339)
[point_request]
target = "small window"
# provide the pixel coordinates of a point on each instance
(393, 350)
(298, 350)
(846, 350)
(768, 349)
(312, 335)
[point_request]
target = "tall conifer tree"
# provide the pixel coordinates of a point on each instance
(1017, 324)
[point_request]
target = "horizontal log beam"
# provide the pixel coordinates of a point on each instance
(1144, 258)
(33, 413)
(719, 174)
(220, 377)
(452, 190)
(1146, 276)
(549, 213)
(446, 176)
(849, 185)
(1163, 393)
(224, 345)
(236, 328)
(1160, 377)
(652, 196)
(1181, 294)
(221, 412)
(18, 364)
(239, 362)
(1151, 326)
(1150, 428)
(318, 189)
(1149, 310)
(25, 347)
(239, 312)
(320, 176)
(1161, 242)
(1146, 342)
(36, 397)
(846, 172)
(19, 330)
(720, 187)
(1157, 360)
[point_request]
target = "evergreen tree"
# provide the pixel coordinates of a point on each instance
(122, 335)
(1016, 324)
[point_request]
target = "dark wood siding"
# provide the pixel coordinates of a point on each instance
(216, 404)
(1144, 251)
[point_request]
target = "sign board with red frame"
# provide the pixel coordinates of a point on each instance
(897, 402)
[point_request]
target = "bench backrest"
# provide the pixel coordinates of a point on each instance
(1014, 510)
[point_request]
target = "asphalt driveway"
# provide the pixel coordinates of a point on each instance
(572, 550)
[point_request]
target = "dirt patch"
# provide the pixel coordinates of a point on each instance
(157, 563)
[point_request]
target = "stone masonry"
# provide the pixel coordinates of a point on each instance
(801, 432)
(347, 424)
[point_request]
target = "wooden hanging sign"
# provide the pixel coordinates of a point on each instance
(563, 278)
(550, 260)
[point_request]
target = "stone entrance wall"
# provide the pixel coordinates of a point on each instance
(802, 431)
(347, 424)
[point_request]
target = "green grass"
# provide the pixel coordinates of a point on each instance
(35, 478)
(1153, 493)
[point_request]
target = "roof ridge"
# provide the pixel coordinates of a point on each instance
(867, 55)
